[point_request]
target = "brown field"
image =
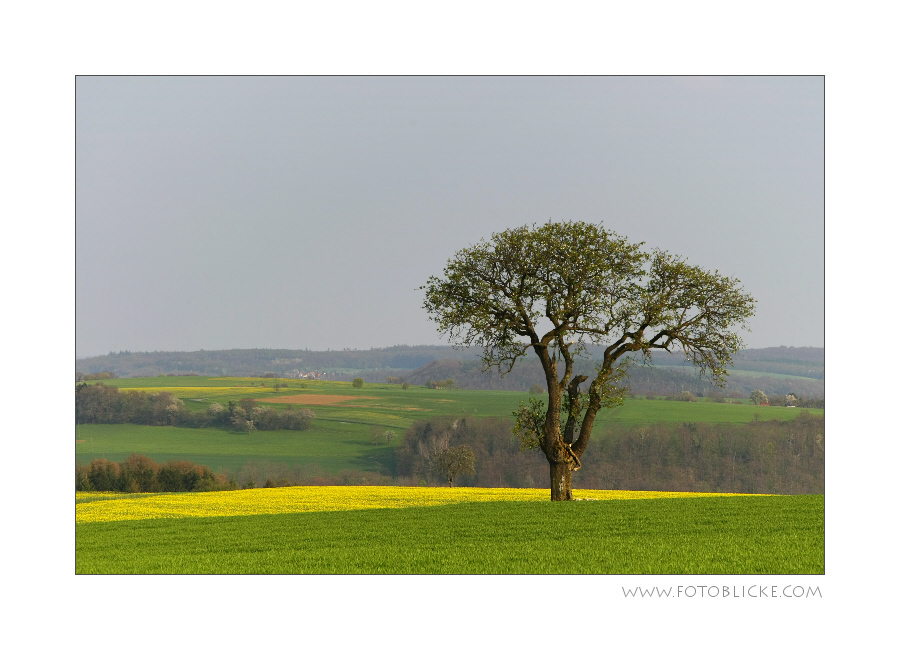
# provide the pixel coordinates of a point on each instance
(312, 400)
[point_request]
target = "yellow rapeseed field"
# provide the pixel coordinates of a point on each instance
(317, 499)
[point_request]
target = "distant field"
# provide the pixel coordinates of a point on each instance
(331, 447)
(340, 437)
(698, 535)
(755, 373)
(389, 404)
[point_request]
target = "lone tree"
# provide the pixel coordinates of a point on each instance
(454, 461)
(557, 287)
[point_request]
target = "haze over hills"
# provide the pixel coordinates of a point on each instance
(774, 370)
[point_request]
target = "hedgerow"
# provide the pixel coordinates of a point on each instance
(101, 404)
(142, 474)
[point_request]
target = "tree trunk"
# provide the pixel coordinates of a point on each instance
(560, 481)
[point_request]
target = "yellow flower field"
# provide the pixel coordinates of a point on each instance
(119, 507)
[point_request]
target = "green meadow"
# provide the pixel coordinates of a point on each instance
(340, 437)
(702, 535)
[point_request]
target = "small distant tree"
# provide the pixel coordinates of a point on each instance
(358, 382)
(405, 385)
(536, 389)
(454, 461)
(791, 400)
(240, 421)
(758, 397)
(382, 436)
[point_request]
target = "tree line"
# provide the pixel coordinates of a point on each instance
(760, 457)
(142, 474)
(101, 404)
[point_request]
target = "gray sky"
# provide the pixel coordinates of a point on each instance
(303, 212)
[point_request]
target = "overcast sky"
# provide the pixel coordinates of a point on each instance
(303, 212)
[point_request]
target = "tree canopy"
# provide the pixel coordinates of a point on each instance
(454, 461)
(552, 289)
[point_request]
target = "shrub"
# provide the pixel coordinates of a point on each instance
(82, 480)
(297, 420)
(179, 476)
(266, 419)
(248, 404)
(103, 475)
(358, 382)
(138, 474)
(683, 396)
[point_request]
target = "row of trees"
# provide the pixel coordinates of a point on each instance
(447, 383)
(248, 415)
(783, 457)
(101, 404)
(142, 474)
(97, 376)
(760, 398)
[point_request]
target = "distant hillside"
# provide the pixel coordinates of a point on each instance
(262, 361)
(798, 362)
(799, 370)
(643, 380)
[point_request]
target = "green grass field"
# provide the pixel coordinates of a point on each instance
(340, 437)
(700, 535)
